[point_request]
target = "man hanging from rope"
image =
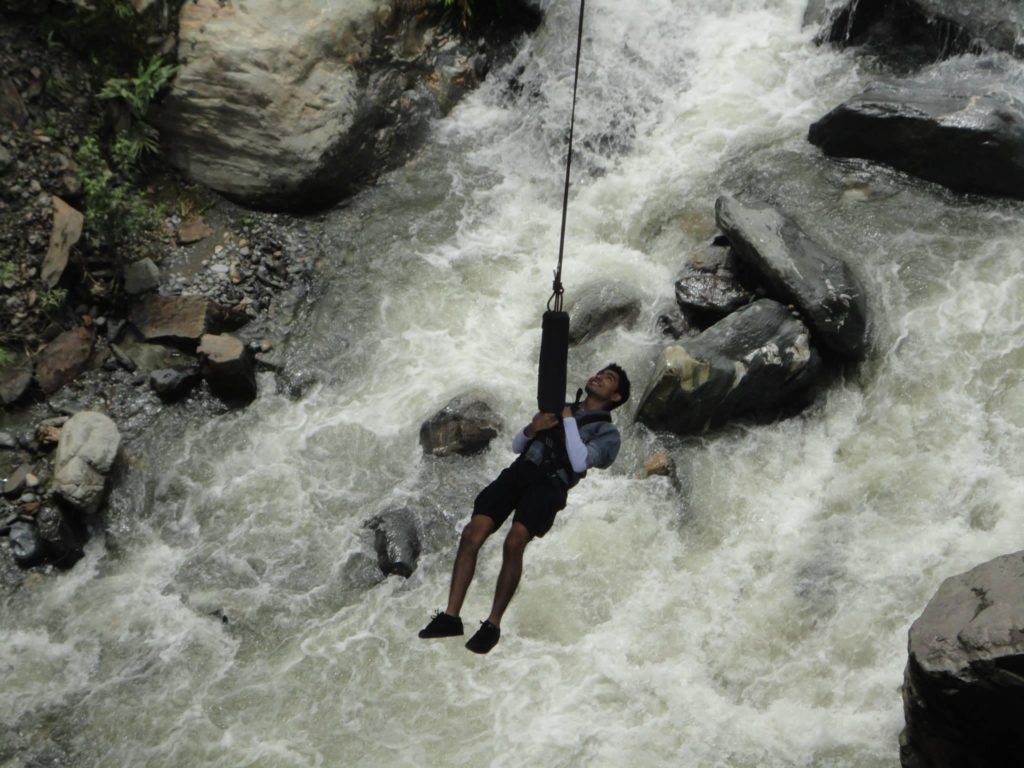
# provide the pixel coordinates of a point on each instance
(553, 457)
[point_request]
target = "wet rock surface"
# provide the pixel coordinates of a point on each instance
(600, 308)
(963, 691)
(920, 31)
(464, 426)
(756, 360)
(396, 541)
(797, 269)
(707, 288)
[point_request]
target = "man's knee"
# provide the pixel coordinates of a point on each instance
(476, 531)
(517, 539)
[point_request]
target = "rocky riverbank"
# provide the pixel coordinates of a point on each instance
(78, 340)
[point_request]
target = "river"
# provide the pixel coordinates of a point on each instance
(755, 616)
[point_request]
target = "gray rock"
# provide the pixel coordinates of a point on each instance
(397, 541)
(332, 94)
(12, 108)
(955, 128)
(963, 690)
(26, 545)
(89, 443)
(14, 383)
(62, 543)
(18, 481)
(600, 308)
(798, 270)
(944, 27)
(755, 361)
(123, 359)
(229, 367)
(464, 426)
(8, 442)
(172, 384)
(707, 287)
(141, 276)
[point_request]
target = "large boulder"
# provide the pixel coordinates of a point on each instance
(943, 27)
(293, 105)
(466, 425)
(89, 443)
(963, 690)
(800, 271)
(966, 136)
(756, 360)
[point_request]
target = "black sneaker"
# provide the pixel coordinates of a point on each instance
(442, 625)
(485, 638)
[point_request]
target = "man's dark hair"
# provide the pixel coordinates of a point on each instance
(623, 388)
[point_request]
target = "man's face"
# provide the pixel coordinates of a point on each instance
(605, 385)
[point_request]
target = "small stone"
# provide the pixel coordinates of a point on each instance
(193, 230)
(15, 484)
(658, 463)
(31, 481)
(8, 441)
(141, 276)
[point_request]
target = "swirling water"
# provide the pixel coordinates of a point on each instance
(755, 615)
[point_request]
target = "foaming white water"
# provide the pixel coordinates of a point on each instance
(756, 616)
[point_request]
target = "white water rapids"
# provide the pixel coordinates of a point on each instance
(754, 618)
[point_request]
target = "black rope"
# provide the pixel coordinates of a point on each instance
(556, 286)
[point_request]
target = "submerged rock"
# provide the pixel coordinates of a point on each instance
(172, 384)
(963, 690)
(464, 426)
(968, 139)
(600, 308)
(26, 545)
(756, 360)
(396, 540)
(798, 270)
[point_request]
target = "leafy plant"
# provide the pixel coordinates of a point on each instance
(138, 92)
(8, 271)
(53, 298)
(6, 358)
(115, 211)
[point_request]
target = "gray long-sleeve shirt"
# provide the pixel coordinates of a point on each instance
(595, 444)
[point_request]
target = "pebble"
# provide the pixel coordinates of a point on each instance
(219, 269)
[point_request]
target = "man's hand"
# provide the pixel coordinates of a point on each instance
(541, 421)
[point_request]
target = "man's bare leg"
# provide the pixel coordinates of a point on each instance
(511, 570)
(473, 536)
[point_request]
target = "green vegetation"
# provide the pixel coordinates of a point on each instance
(137, 93)
(53, 298)
(466, 6)
(115, 211)
(6, 358)
(8, 271)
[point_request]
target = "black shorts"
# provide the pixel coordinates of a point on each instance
(534, 496)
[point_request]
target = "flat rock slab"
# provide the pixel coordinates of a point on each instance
(800, 271)
(66, 231)
(963, 692)
(64, 358)
(966, 139)
(182, 319)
